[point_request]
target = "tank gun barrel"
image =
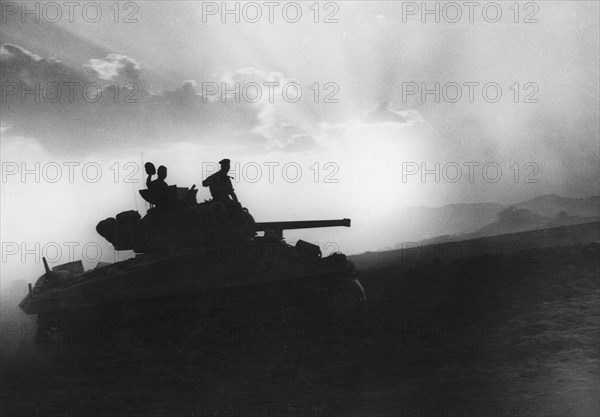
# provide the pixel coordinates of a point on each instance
(303, 224)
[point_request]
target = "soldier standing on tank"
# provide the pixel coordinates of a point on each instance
(219, 184)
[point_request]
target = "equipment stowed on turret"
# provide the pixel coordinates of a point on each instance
(190, 256)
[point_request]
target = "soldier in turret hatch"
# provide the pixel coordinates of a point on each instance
(159, 182)
(150, 170)
(219, 183)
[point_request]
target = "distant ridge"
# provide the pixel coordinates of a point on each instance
(471, 220)
(550, 205)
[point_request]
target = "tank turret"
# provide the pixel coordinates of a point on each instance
(179, 222)
(176, 221)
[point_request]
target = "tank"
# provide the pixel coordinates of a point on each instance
(193, 264)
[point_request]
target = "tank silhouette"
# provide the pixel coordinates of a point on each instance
(193, 261)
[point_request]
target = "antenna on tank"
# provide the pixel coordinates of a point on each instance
(46, 266)
(134, 197)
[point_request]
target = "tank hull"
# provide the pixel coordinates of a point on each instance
(234, 282)
(199, 270)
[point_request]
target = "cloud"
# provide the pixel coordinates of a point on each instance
(382, 114)
(20, 65)
(115, 66)
(302, 143)
(101, 116)
(266, 87)
(381, 118)
(278, 117)
(131, 117)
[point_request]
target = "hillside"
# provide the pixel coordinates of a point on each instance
(550, 205)
(522, 244)
(511, 336)
(469, 221)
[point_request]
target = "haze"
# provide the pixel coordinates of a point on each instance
(371, 136)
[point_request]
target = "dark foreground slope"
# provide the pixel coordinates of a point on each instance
(516, 336)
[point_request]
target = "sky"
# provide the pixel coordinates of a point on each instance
(355, 143)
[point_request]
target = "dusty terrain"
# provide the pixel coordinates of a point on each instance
(516, 336)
